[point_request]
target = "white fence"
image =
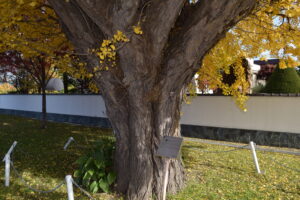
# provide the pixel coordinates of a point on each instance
(84, 105)
(266, 113)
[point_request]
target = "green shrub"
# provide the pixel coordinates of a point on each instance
(283, 81)
(95, 171)
(258, 88)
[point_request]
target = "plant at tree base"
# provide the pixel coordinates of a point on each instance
(96, 167)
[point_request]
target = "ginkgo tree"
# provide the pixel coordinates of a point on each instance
(143, 54)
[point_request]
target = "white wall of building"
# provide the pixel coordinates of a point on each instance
(264, 113)
(21, 102)
(269, 113)
(84, 105)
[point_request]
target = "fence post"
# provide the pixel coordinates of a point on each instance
(68, 142)
(70, 187)
(7, 170)
(6, 159)
(255, 157)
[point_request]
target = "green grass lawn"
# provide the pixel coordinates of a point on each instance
(209, 176)
(232, 175)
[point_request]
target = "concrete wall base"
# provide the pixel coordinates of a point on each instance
(268, 138)
(74, 119)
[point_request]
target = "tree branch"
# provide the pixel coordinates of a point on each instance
(111, 15)
(99, 12)
(197, 30)
(80, 29)
(160, 19)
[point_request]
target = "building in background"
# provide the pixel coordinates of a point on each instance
(266, 69)
(254, 70)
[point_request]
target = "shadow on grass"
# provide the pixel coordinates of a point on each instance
(39, 152)
(194, 147)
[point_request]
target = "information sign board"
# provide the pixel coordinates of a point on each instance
(169, 147)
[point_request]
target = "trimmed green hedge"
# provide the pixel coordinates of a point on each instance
(283, 81)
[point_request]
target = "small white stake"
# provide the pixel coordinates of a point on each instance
(68, 142)
(7, 170)
(255, 157)
(6, 159)
(70, 187)
(166, 178)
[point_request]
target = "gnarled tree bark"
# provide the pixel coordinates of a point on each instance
(143, 94)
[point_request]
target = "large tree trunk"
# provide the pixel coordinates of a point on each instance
(143, 94)
(141, 116)
(140, 172)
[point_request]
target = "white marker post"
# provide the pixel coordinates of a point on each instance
(255, 157)
(166, 178)
(6, 159)
(68, 142)
(70, 187)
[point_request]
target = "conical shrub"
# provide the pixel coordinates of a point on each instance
(283, 81)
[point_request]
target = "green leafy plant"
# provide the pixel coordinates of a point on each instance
(95, 171)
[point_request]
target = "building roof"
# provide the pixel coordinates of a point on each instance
(270, 61)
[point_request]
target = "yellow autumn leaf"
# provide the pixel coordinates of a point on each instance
(137, 30)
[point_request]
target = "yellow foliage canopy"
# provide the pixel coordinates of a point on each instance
(32, 28)
(273, 27)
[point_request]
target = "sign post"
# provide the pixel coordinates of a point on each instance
(169, 149)
(168, 160)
